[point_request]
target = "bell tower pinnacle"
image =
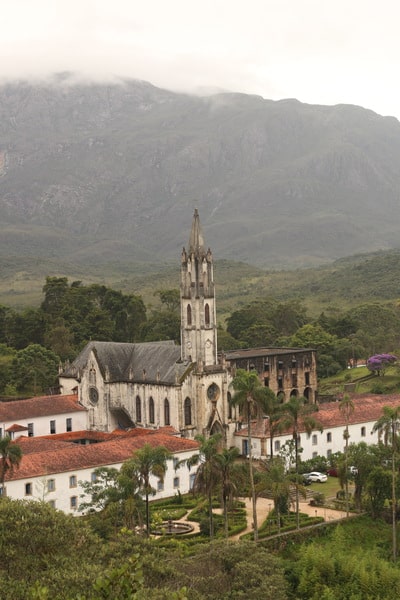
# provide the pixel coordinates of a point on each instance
(198, 312)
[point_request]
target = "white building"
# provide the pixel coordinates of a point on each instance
(367, 410)
(42, 416)
(53, 467)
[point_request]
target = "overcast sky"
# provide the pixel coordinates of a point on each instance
(318, 51)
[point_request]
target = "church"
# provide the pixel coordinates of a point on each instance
(187, 387)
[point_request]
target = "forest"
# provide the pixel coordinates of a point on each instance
(34, 340)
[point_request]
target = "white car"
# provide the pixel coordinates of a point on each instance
(317, 476)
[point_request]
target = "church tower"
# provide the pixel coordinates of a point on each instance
(198, 312)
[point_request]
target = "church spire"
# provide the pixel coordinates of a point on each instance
(198, 314)
(196, 240)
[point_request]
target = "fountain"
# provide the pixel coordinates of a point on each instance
(173, 528)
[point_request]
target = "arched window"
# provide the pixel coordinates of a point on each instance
(138, 410)
(167, 420)
(229, 398)
(151, 410)
(207, 314)
(187, 407)
(189, 314)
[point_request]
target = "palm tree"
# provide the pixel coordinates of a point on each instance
(254, 401)
(346, 407)
(295, 414)
(10, 458)
(207, 475)
(388, 425)
(149, 461)
(276, 483)
(229, 472)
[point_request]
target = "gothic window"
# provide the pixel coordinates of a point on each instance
(138, 410)
(167, 420)
(189, 314)
(307, 378)
(151, 410)
(229, 398)
(92, 376)
(187, 408)
(207, 314)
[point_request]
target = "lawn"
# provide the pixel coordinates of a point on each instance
(329, 488)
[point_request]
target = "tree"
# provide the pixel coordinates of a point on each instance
(388, 425)
(35, 368)
(379, 362)
(146, 462)
(228, 471)
(254, 401)
(295, 414)
(346, 407)
(10, 457)
(208, 472)
(275, 481)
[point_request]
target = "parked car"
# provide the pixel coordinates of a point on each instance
(317, 476)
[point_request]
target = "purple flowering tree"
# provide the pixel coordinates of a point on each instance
(379, 362)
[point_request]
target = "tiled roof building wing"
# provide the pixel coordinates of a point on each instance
(75, 456)
(43, 406)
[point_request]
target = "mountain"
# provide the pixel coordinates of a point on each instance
(97, 174)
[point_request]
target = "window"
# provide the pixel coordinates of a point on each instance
(73, 502)
(68, 424)
(229, 398)
(52, 503)
(187, 408)
(207, 314)
(160, 486)
(138, 410)
(51, 485)
(329, 436)
(307, 378)
(28, 489)
(30, 429)
(2, 491)
(151, 410)
(192, 479)
(314, 440)
(266, 366)
(363, 432)
(266, 381)
(52, 426)
(1, 432)
(189, 314)
(294, 363)
(277, 445)
(294, 380)
(328, 453)
(93, 477)
(314, 454)
(72, 481)
(175, 462)
(280, 383)
(176, 482)
(167, 418)
(280, 364)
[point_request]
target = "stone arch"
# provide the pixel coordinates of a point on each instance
(294, 393)
(308, 394)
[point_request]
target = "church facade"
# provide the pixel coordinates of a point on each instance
(187, 387)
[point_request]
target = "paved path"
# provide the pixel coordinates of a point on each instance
(265, 505)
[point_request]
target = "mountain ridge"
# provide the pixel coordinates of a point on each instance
(112, 172)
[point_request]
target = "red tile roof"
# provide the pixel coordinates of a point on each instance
(367, 408)
(16, 428)
(77, 456)
(41, 406)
